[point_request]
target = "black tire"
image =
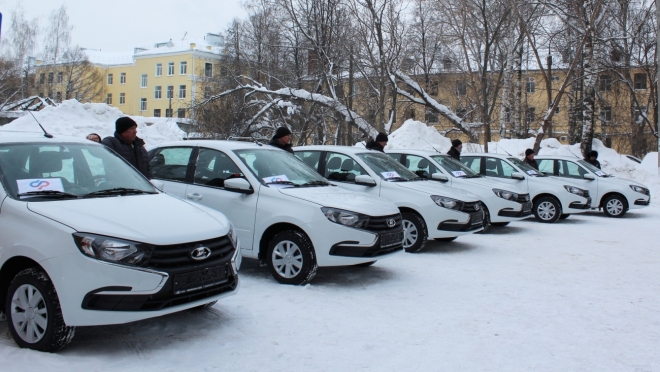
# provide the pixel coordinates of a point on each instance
(56, 334)
(564, 216)
(547, 209)
(365, 264)
(417, 232)
(499, 224)
(487, 223)
(615, 206)
(300, 250)
(446, 240)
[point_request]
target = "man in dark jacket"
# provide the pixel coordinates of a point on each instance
(455, 150)
(282, 139)
(379, 143)
(592, 158)
(529, 159)
(128, 145)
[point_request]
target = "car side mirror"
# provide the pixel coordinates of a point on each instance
(589, 177)
(439, 177)
(365, 180)
(240, 185)
(517, 176)
(160, 185)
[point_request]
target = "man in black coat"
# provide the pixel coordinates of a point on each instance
(529, 159)
(128, 145)
(455, 150)
(592, 158)
(282, 139)
(379, 143)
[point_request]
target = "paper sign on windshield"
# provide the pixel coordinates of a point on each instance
(459, 174)
(280, 178)
(388, 175)
(600, 173)
(39, 184)
(532, 172)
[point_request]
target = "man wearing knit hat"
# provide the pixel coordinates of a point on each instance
(282, 139)
(379, 143)
(455, 150)
(529, 159)
(128, 145)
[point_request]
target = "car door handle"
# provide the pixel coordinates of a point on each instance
(194, 196)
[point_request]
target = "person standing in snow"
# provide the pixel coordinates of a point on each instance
(94, 137)
(282, 139)
(455, 150)
(379, 143)
(592, 158)
(529, 159)
(128, 145)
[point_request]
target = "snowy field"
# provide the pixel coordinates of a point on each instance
(578, 295)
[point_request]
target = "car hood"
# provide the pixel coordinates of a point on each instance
(437, 188)
(155, 219)
(494, 184)
(335, 197)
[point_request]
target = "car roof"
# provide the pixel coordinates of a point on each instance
(7, 136)
(500, 156)
(560, 157)
(217, 144)
(342, 149)
(415, 152)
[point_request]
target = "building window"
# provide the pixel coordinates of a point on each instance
(566, 56)
(208, 92)
(447, 64)
(434, 87)
(182, 91)
(461, 112)
(616, 55)
(461, 87)
(507, 114)
(158, 92)
(183, 68)
(50, 78)
(109, 79)
(531, 85)
(208, 69)
(122, 98)
(605, 83)
(170, 68)
(555, 78)
(143, 82)
(108, 99)
(143, 104)
(122, 78)
(170, 92)
(640, 81)
(159, 69)
(224, 71)
(638, 114)
(60, 77)
(168, 113)
(58, 96)
(530, 116)
(42, 78)
(557, 110)
(181, 113)
(156, 113)
(606, 113)
(431, 116)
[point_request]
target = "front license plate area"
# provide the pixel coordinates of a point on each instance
(477, 218)
(199, 279)
(527, 207)
(388, 240)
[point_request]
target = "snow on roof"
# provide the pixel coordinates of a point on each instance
(178, 47)
(98, 57)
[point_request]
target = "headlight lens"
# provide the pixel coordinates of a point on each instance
(347, 218)
(641, 190)
(508, 195)
(576, 190)
(446, 202)
(113, 250)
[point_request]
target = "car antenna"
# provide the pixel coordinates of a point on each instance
(436, 150)
(46, 134)
(497, 146)
(569, 150)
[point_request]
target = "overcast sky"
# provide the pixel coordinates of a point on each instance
(119, 25)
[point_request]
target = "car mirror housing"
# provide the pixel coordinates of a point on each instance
(517, 176)
(240, 185)
(439, 177)
(589, 177)
(365, 180)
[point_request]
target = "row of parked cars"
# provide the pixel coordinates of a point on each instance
(87, 240)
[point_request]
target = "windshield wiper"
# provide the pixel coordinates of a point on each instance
(397, 179)
(119, 191)
(474, 176)
(282, 183)
(314, 183)
(49, 193)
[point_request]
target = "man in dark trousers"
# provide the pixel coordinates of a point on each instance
(379, 143)
(529, 159)
(592, 158)
(128, 145)
(282, 139)
(455, 150)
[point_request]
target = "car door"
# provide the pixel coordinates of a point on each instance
(171, 165)
(419, 165)
(312, 158)
(575, 172)
(210, 169)
(341, 170)
(501, 170)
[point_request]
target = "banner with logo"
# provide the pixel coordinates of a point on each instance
(39, 184)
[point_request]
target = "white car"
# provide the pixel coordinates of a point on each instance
(428, 211)
(285, 214)
(614, 195)
(503, 203)
(86, 240)
(552, 199)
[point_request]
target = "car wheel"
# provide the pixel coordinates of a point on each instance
(615, 206)
(414, 232)
(365, 264)
(446, 240)
(34, 315)
(564, 216)
(290, 258)
(547, 209)
(499, 224)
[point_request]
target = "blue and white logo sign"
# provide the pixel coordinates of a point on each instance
(391, 174)
(39, 184)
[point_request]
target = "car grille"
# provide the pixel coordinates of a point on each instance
(523, 198)
(178, 256)
(470, 207)
(379, 224)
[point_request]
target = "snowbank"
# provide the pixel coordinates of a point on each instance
(79, 119)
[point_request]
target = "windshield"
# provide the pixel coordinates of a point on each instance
(593, 169)
(277, 168)
(526, 167)
(47, 171)
(387, 168)
(454, 167)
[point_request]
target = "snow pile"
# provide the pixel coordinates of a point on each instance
(414, 134)
(79, 119)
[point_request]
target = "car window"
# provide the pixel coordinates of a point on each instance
(570, 169)
(472, 163)
(213, 167)
(310, 158)
(546, 166)
(420, 166)
(498, 168)
(340, 167)
(455, 167)
(171, 163)
(396, 157)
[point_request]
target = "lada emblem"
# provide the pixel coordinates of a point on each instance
(200, 253)
(526, 197)
(477, 207)
(391, 222)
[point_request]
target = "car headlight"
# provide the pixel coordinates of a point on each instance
(112, 249)
(344, 217)
(640, 189)
(508, 195)
(577, 191)
(446, 202)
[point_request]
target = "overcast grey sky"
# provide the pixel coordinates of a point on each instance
(119, 25)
